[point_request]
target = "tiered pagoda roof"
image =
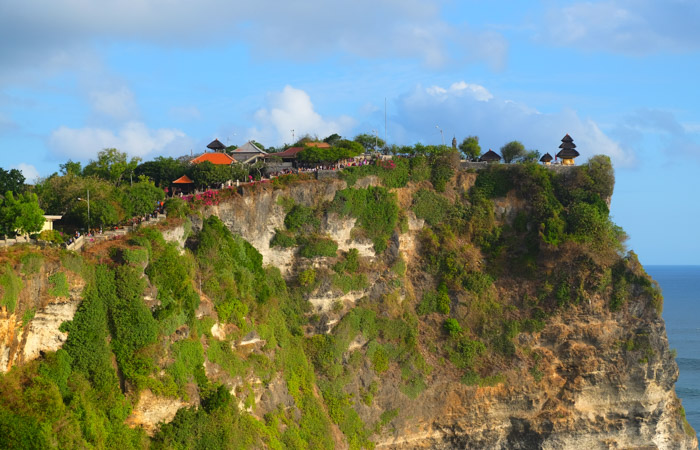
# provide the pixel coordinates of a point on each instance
(568, 148)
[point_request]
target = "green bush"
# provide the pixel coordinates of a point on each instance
(58, 285)
(176, 207)
(465, 351)
(420, 168)
(135, 256)
(301, 218)
(477, 282)
(11, 285)
(350, 264)
(307, 277)
(315, 245)
(31, 263)
(283, 239)
(443, 169)
(435, 302)
(432, 207)
(347, 283)
(131, 324)
(494, 181)
(375, 208)
(452, 327)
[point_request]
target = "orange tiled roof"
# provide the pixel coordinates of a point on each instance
(183, 180)
(214, 158)
(291, 151)
(318, 144)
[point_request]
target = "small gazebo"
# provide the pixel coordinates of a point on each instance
(216, 145)
(490, 157)
(568, 151)
(546, 159)
(184, 185)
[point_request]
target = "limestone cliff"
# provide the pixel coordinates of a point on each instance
(570, 372)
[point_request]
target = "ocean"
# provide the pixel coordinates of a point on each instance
(681, 290)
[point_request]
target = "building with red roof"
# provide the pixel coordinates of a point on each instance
(214, 158)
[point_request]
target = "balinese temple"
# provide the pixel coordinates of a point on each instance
(216, 145)
(546, 159)
(568, 151)
(248, 153)
(454, 142)
(490, 157)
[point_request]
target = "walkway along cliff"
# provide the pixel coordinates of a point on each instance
(399, 307)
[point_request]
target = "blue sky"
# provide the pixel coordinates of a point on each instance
(157, 77)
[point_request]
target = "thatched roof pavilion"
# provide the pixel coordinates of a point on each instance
(546, 158)
(490, 156)
(568, 151)
(216, 145)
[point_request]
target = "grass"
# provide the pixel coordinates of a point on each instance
(11, 285)
(58, 285)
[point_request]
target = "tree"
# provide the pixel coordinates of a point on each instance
(443, 168)
(162, 171)
(470, 147)
(531, 156)
(111, 165)
(333, 139)
(140, 198)
(513, 151)
(11, 180)
(20, 215)
(329, 155)
(602, 175)
(71, 167)
(258, 144)
(208, 174)
(369, 142)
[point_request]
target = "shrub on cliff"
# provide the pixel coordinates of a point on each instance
(432, 207)
(301, 218)
(316, 245)
(375, 208)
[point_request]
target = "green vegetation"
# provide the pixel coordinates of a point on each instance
(480, 278)
(432, 207)
(58, 285)
(11, 285)
(317, 245)
(31, 263)
(20, 215)
(376, 211)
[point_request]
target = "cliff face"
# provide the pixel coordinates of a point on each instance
(31, 327)
(586, 376)
(592, 392)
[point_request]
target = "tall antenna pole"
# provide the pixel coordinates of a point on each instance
(293, 141)
(385, 143)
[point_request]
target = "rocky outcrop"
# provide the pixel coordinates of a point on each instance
(151, 410)
(592, 395)
(33, 326)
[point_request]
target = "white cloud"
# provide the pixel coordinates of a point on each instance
(465, 109)
(133, 138)
(292, 109)
(31, 174)
(296, 30)
(118, 104)
(664, 130)
(625, 26)
(460, 88)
